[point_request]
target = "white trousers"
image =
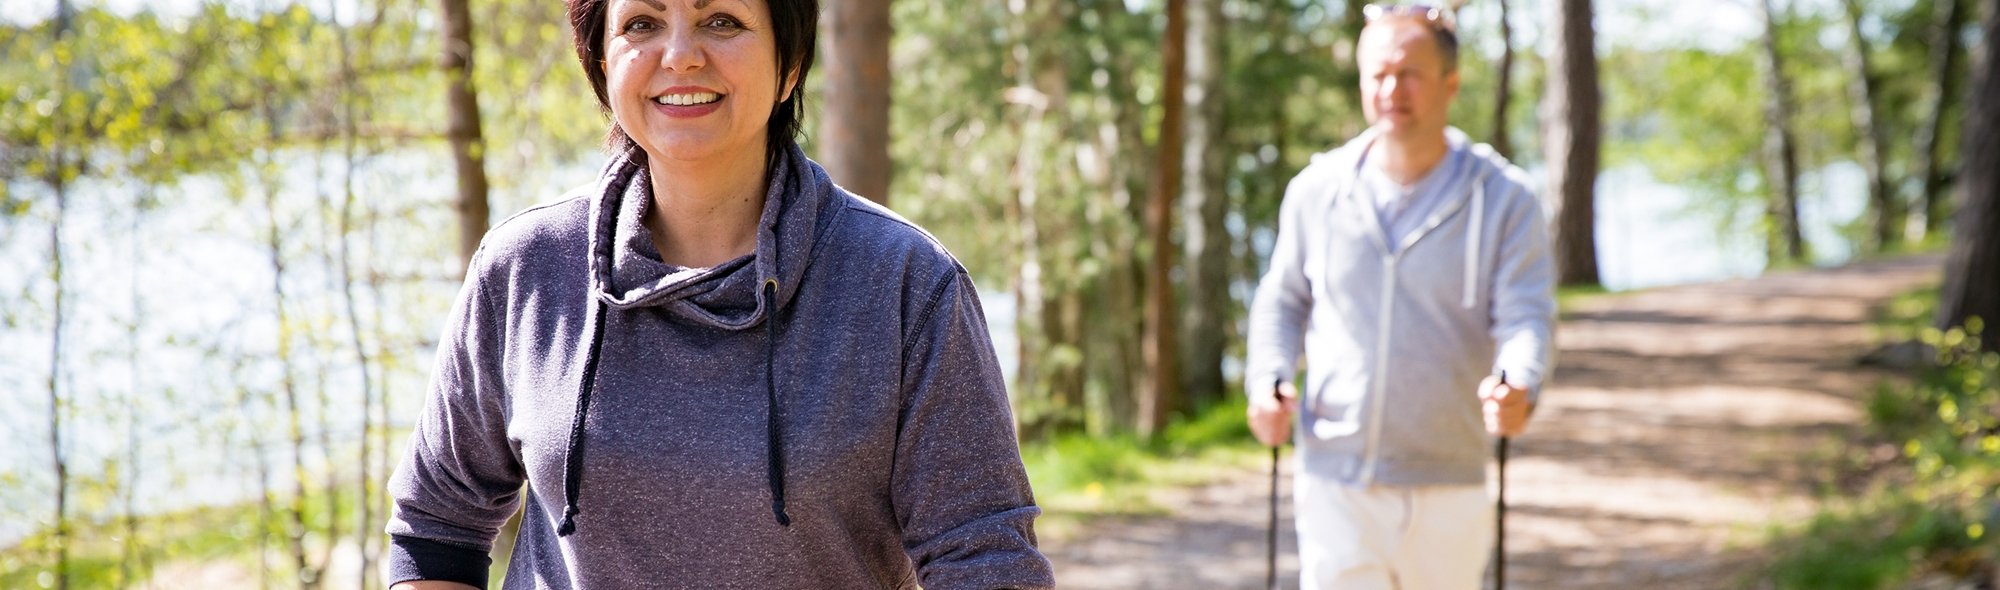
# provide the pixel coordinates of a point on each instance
(1391, 538)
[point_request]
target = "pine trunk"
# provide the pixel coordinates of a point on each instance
(468, 150)
(1886, 211)
(1206, 323)
(1161, 399)
(854, 131)
(1948, 19)
(1972, 272)
(1573, 125)
(1781, 161)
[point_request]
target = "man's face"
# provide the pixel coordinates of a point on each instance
(1405, 89)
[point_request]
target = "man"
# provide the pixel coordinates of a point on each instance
(1412, 268)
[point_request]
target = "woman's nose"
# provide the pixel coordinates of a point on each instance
(683, 52)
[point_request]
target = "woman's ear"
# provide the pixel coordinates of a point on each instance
(791, 80)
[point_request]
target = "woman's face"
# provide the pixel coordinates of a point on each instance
(692, 79)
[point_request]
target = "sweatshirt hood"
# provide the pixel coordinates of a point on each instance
(627, 272)
(1345, 159)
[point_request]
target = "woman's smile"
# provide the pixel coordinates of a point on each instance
(687, 102)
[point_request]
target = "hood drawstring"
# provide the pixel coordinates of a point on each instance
(774, 419)
(573, 460)
(573, 457)
(1472, 245)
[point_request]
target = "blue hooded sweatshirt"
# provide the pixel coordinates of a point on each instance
(826, 412)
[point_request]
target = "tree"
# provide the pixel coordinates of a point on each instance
(58, 181)
(1161, 398)
(1572, 123)
(468, 150)
(1206, 322)
(1972, 272)
(854, 127)
(1781, 159)
(1869, 143)
(1948, 18)
(1502, 92)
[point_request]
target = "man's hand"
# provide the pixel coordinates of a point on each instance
(1271, 417)
(1506, 407)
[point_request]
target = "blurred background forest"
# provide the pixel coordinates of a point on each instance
(231, 227)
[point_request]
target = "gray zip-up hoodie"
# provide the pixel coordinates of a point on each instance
(826, 412)
(1396, 339)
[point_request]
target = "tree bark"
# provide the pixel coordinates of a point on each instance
(1573, 125)
(58, 181)
(128, 478)
(1206, 327)
(365, 532)
(1948, 19)
(1781, 160)
(468, 150)
(1972, 272)
(1050, 375)
(1887, 211)
(1503, 93)
(1031, 329)
(295, 527)
(1161, 399)
(854, 129)
(60, 540)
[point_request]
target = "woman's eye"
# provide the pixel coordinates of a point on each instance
(721, 22)
(639, 26)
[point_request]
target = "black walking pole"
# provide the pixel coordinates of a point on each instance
(1500, 512)
(1271, 540)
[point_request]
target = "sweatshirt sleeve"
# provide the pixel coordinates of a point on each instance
(460, 478)
(960, 490)
(1283, 302)
(1524, 301)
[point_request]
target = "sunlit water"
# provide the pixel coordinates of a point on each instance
(205, 282)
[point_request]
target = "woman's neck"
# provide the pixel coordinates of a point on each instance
(705, 213)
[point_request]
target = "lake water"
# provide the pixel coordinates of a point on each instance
(205, 280)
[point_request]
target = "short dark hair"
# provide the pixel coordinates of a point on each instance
(1439, 20)
(794, 24)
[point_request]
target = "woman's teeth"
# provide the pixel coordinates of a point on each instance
(687, 99)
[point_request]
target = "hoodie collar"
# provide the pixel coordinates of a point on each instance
(1454, 169)
(626, 271)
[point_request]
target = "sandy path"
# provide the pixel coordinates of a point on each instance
(1681, 424)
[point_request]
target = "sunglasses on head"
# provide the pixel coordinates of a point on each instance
(1433, 15)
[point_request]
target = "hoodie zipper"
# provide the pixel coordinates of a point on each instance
(1372, 452)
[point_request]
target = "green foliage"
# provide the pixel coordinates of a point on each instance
(208, 535)
(1079, 476)
(1934, 511)
(1694, 117)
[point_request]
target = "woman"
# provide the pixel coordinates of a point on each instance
(713, 368)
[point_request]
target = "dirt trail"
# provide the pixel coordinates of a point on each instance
(1680, 424)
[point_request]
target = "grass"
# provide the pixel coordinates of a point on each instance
(1078, 477)
(1918, 503)
(198, 535)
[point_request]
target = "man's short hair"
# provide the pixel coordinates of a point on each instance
(1436, 19)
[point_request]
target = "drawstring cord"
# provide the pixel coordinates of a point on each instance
(573, 461)
(1477, 221)
(775, 420)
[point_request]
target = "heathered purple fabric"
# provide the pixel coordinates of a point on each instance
(901, 464)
